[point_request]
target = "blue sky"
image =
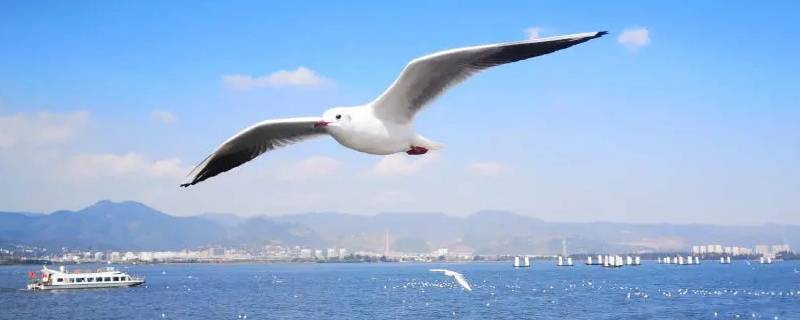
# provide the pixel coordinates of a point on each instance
(693, 119)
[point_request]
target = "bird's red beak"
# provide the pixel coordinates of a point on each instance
(321, 123)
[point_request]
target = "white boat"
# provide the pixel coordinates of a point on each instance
(613, 262)
(520, 262)
(563, 263)
(591, 262)
(62, 279)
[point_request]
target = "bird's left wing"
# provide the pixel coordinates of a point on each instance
(252, 142)
(425, 78)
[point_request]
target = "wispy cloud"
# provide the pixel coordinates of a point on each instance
(634, 37)
(490, 169)
(92, 166)
(533, 33)
(403, 165)
(162, 116)
(41, 127)
(312, 167)
(300, 77)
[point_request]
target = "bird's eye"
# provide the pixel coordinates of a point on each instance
(338, 116)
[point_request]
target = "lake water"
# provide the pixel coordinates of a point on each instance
(410, 291)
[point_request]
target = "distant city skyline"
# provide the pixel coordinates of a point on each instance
(684, 113)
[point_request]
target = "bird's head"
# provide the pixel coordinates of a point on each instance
(335, 118)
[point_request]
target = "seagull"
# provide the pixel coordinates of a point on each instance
(459, 277)
(385, 125)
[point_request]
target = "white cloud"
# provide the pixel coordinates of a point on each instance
(634, 37)
(162, 116)
(310, 168)
(403, 165)
(300, 77)
(490, 169)
(92, 166)
(533, 33)
(41, 127)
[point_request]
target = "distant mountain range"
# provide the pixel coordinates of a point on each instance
(135, 226)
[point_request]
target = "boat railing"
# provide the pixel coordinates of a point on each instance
(135, 278)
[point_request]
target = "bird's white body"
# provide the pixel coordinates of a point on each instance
(385, 125)
(359, 129)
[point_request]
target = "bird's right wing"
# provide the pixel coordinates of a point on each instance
(252, 142)
(462, 281)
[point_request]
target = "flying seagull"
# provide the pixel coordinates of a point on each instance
(459, 277)
(385, 125)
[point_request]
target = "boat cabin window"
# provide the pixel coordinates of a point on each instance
(60, 280)
(107, 279)
(79, 280)
(98, 279)
(70, 280)
(89, 279)
(116, 278)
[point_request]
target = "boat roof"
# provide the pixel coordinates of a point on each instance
(85, 273)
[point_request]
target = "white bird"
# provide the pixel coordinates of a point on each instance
(383, 126)
(459, 277)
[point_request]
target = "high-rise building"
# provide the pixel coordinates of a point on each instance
(780, 248)
(762, 249)
(216, 252)
(386, 245)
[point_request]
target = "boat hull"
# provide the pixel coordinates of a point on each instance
(85, 286)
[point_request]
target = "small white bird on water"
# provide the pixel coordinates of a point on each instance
(459, 277)
(383, 126)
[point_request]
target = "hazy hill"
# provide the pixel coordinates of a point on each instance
(109, 225)
(135, 226)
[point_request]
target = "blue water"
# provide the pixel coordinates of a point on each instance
(410, 291)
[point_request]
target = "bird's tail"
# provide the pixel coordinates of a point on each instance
(426, 143)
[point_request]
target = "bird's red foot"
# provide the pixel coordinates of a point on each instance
(415, 151)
